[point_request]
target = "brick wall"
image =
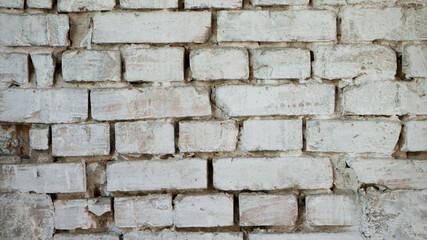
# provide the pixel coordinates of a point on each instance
(213, 119)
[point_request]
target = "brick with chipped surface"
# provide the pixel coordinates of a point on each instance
(331, 210)
(197, 4)
(85, 5)
(150, 4)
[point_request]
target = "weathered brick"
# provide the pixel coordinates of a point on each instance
(43, 178)
(268, 209)
(279, 2)
(306, 236)
(153, 4)
(43, 106)
(85, 5)
(373, 2)
(208, 136)
(167, 234)
(330, 210)
(99, 206)
(91, 66)
(367, 61)
(72, 214)
(415, 138)
(13, 68)
(391, 173)
(158, 27)
(96, 178)
(219, 63)
(413, 97)
(89, 236)
(81, 139)
(12, 4)
(394, 24)
(329, 2)
(213, 210)
(147, 211)
(26, 216)
(164, 64)
(34, 29)
(276, 26)
(39, 137)
(8, 139)
(287, 99)
(14, 159)
(193, 4)
(44, 67)
(154, 175)
(271, 135)
(46, 4)
(149, 137)
(352, 136)
(280, 63)
(268, 173)
(155, 102)
(415, 61)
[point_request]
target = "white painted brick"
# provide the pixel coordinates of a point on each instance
(99, 206)
(81, 139)
(43, 106)
(208, 136)
(280, 63)
(44, 67)
(415, 138)
(306, 236)
(219, 63)
(149, 137)
(268, 209)
(352, 136)
(34, 30)
(367, 61)
(148, 211)
(415, 61)
(13, 68)
(413, 97)
(391, 173)
(153, 4)
(194, 4)
(287, 99)
(43, 178)
(8, 139)
(372, 2)
(12, 3)
(213, 210)
(89, 236)
(164, 64)
(39, 137)
(26, 216)
(394, 24)
(331, 210)
(271, 135)
(279, 2)
(85, 5)
(91, 66)
(329, 2)
(170, 235)
(72, 214)
(153, 175)
(156, 102)
(276, 26)
(272, 173)
(46, 4)
(158, 27)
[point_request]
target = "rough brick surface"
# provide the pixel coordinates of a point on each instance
(13, 68)
(152, 175)
(12, 3)
(415, 136)
(85, 5)
(195, 4)
(72, 214)
(39, 138)
(166, 234)
(306, 236)
(91, 236)
(272, 173)
(331, 210)
(415, 61)
(44, 67)
(279, 2)
(8, 139)
(153, 4)
(44, 4)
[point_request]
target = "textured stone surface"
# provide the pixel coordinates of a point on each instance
(281, 63)
(149, 137)
(391, 173)
(43, 106)
(203, 210)
(207, 136)
(415, 61)
(13, 69)
(268, 209)
(329, 2)
(8, 139)
(43, 178)
(72, 214)
(81, 139)
(90, 236)
(272, 173)
(271, 135)
(158, 27)
(306, 236)
(45, 4)
(147, 211)
(287, 99)
(352, 136)
(276, 26)
(331, 210)
(153, 4)
(167, 234)
(44, 67)
(151, 175)
(279, 2)
(193, 4)
(39, 138)
(220, 63)
(99, 206)
(12, 3)
(85, 5)
(156, 102)
(415, 138)
(164, 64)
(26, 216)
(34, 30)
